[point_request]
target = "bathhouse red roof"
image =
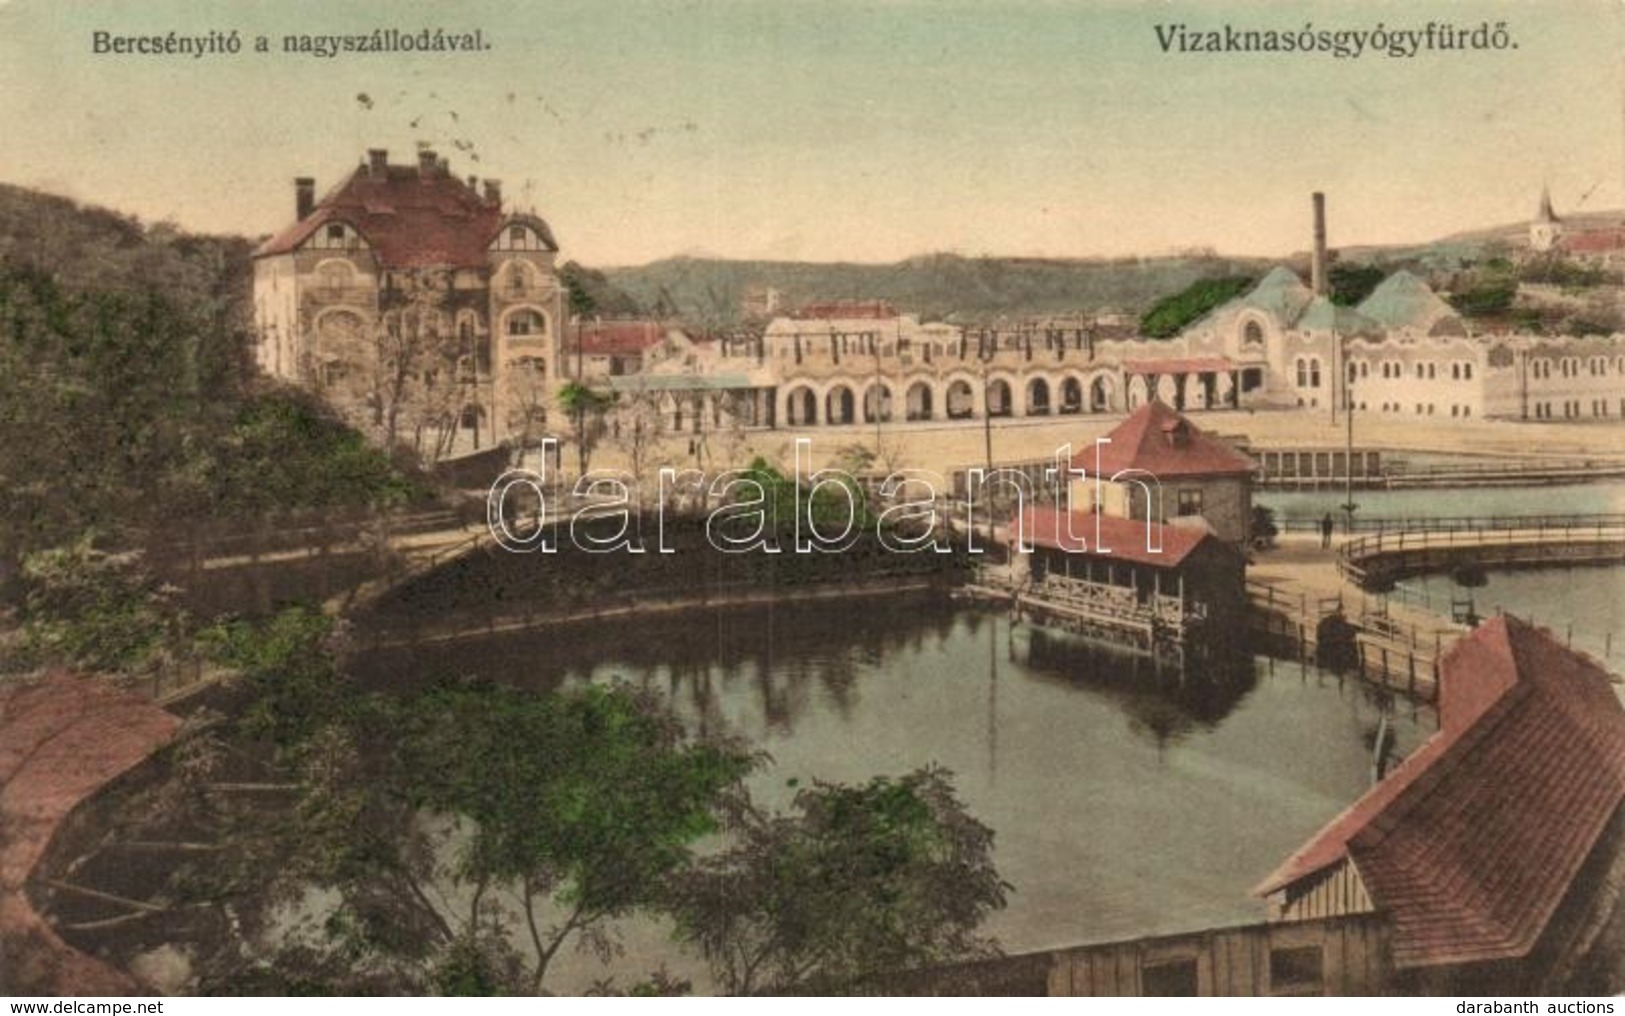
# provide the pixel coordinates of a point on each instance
(1111, 536)
(1160, 441)
(615, 338)
(1470, 845)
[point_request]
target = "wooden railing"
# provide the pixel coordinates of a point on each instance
(1452, 523)
(1354, 558)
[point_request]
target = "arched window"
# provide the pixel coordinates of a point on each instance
(1253, 334)
(1303, 373)
(1314, 373)
(336, 274)
(527, 323)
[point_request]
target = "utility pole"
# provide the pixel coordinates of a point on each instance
(1348, 446)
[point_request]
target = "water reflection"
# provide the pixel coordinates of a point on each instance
(1163, 702)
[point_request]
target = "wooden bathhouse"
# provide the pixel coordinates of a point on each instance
(1157, 587)
(1496, 851)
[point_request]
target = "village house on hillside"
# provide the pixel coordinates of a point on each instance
(1496, 851)
(414, 300)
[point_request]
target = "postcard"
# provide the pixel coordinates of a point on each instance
(1039, 497)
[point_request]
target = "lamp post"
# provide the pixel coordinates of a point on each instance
(1348, 445)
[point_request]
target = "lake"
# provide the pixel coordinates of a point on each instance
(1125, 802)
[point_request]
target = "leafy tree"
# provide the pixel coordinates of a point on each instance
(591, 292)
(1490, 298)
(826, 509)
(288, 659)
(88, 608)
(586, 409)
(890, 874)
(1168, 316)
(285, 450)
(1351, 283)
(577, 805)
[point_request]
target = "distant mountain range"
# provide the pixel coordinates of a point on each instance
(938, 286)
(715, 291)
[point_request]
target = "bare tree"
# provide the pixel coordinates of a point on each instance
(639, 428)
(526, 388)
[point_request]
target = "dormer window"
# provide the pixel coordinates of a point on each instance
(335, 232)
(516, 235)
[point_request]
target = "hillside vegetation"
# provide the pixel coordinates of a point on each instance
(938, 286)
(127, 399)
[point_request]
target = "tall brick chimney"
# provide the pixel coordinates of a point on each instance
(1317, 262)
(304, 197)
(378, 163)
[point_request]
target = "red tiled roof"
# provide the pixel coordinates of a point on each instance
(840, 310)
(1473, 841)
(1596, 241)
(1124, 539)
(615, 338)
(1180, 365)
(409, 218)
(1158, 440)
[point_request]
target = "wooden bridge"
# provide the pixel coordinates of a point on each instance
(1377, 561)
(1390, 651)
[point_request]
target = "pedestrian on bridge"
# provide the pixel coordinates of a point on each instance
(1326, 532)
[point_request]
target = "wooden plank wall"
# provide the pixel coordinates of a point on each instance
(1354, 953)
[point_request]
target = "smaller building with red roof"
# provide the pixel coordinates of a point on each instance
(1152, 585)
(611, 348)
(1157, 465)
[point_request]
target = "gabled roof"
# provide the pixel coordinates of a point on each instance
(1404, 301)
(410, 216)
(1124, 539)
(535, 222)
(1280, 294)
(1596, 241)
(1473, 841)
(1160, 441)
(1322, 315)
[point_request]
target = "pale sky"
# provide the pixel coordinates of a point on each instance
(839, 131)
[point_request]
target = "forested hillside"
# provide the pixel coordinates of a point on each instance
(127, 400)
(710, 291)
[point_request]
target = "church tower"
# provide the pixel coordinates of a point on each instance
(1547, 228)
